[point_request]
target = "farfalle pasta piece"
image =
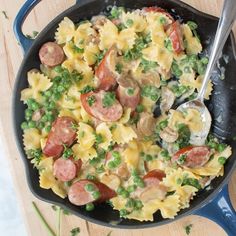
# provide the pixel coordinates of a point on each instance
(79, 65)
(108, 35)
(192, 118)
(148, 104)
(126, 39)
(174, 177)
(85, 136)
(213, 167)
(193, 44)
(134, 20)
(83, 34)
(71, 52)
(85, 116)
(126, 116)
(84, 154)
(131, 155)
(158, 54)
(65, 32)
(90, 53)
(123, 134)
(75, 114)
(189, 80)
(37, 83)
(103, 130)
(31, 139)
(47, 179)
(185, 193)
(71, 99)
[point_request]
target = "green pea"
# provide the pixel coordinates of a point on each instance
(120, 190)
(115, 154)
(48, 93)
(130, 203)
(134, 173)
(205, 60)
(221, 147)
(125, 194)
(50, 117)
(96, 195)
(35, 106)
(131, 188)
(89, 207)
(163, 20)
(222, 160)
(111, 165)
(148, 157)
(58, 69)
(138, 204)
(57, 79)
(123, 212)
(48, 128)
(28, 113)
(44, 118)
(163, 124)
(60, 89)
(140, 108)
(117, 161)
(89, 187)
(24, 125)
(68, 183)
(56, 96)
(30, 101)
(31, 124)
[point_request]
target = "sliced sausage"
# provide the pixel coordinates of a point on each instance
(158, 174)
(66, 169)
(167, 99)
(192, 157)
(79, 196)
(169, 135)
(158, 9)
(106, 192)
(128, 92)
(176, 36)
(105, 71)
(61, 134)
(97, 110)
(146, 124)
(51, 54)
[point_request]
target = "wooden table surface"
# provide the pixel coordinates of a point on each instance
(10, 60)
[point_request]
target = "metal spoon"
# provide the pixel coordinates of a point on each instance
(225, 25)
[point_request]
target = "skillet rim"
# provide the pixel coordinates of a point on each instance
(18, 141)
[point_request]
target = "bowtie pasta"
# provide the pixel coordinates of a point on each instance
(89, 126)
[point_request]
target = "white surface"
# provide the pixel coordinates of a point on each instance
(11, 223)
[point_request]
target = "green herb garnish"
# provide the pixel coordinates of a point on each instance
(75, 231)
(119, 68)
(109, 99)
(188, 228)
(91, 100)
(87, 89)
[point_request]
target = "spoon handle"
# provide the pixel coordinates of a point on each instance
(225, 25)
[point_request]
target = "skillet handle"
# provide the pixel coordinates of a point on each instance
(18, 22)
(221, 211)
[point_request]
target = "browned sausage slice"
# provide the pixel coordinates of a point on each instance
(51, 54)
(61, 134)
(157, 174)
(78, 195)
(64, 169)
(128, 92)
(105, 71)
(192, 157)
(97, 110)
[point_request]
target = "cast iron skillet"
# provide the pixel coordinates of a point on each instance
(213, 203)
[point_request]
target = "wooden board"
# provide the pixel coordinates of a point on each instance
(10, 59)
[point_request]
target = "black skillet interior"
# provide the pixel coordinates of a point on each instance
(222, 104)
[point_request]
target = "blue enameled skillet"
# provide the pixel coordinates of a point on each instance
(213, 203)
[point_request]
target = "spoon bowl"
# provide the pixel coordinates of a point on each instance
(198, 138)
